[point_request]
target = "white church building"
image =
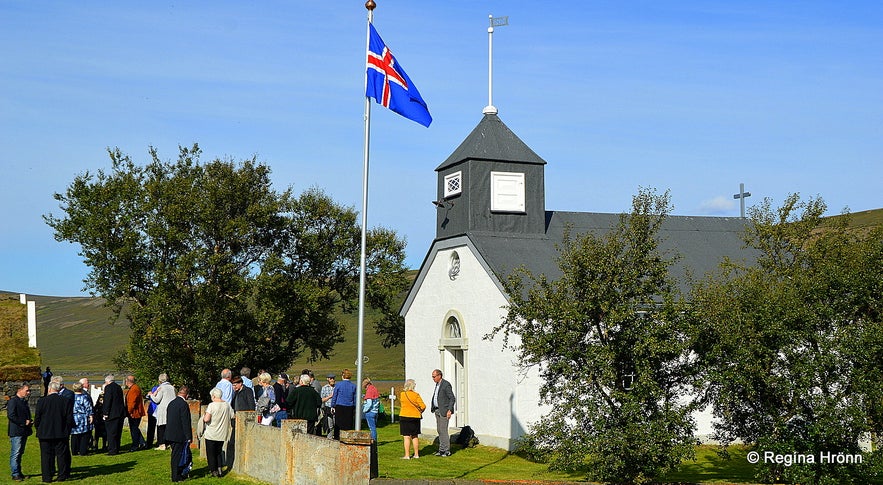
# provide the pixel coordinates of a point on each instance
(491, 219)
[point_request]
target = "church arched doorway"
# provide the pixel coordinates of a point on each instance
(453, 350)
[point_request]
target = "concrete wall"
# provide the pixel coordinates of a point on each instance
(288, 455)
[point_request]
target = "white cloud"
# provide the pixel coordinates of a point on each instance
(717, 206)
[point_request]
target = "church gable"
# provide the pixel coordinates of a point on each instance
(445, 262)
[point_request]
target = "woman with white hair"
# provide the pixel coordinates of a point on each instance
(162, 396)
(304, 403)
(218, 420)
(266, 403)
(410, 414)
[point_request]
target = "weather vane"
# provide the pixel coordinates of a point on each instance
(494, 22)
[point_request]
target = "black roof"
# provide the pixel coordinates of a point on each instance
(700, 243)
(492, 140)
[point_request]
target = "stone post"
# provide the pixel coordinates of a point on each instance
(32, 324)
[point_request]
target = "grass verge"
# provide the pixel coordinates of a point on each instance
(479, 463)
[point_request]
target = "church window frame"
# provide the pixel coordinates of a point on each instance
(453, 184)
(508, 192)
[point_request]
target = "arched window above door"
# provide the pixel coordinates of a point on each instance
(452, 328)
(453, 333)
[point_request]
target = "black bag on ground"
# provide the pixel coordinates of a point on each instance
(467, 438)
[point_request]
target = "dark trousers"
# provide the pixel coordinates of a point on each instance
(64, 469)
(114, 428)
(213, 451)
(161, 434)
(135, 431)
(151, 429)
(180, 463)
(77, 445)
(344, 419)
(52, 454)
(80, 443)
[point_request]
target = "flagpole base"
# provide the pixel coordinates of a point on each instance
(489, 110)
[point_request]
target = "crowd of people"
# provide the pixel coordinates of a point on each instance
(69, 423)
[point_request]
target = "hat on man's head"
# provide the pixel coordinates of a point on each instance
(330, 376)
(283, 376)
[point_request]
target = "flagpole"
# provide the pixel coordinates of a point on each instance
(369, 5)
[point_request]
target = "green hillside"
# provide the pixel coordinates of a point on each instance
(865, 219)
(78, 335)
(14, 334)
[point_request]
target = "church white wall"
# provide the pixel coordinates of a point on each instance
(500, 402)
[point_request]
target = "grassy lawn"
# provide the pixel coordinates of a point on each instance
(142, 467)
(484, 462)
(481, 462)
(470, 463)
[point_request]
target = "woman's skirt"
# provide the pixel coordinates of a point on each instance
(409, 426)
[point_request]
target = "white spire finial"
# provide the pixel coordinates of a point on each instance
(490, 109)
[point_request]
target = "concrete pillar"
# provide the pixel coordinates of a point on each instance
(32, 324)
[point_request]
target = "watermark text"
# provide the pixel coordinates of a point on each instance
(789, 459)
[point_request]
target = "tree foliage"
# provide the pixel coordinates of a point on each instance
(790, 347)
(609, 342)
(219, 270)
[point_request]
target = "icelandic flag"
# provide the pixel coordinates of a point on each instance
(388, 84)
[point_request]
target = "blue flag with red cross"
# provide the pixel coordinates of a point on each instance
(390, 86)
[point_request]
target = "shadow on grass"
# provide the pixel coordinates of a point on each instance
(479, 468)
(710, 465)
(86, 471)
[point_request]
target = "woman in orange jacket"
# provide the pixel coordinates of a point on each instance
(410, 414)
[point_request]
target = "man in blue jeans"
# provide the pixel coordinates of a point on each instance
(19, 414)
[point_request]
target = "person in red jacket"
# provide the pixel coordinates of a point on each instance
(135, 411)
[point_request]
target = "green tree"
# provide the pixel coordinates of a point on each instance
(608, 340)
(790, 347)
(216, 269)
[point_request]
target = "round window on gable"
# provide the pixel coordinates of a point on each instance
(454, 268)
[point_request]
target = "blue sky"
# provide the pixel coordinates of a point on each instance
(694, 97)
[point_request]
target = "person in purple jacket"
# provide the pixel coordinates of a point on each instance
(343, 404)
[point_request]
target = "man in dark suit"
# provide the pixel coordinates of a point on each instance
(443, 401)
(68, 396)
(179, 434)
(54, 420)
(19, 413)
(114, 411)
